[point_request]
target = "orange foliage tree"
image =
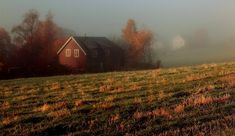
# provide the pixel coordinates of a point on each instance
(48, 32)
(35, 39)
(139, 42)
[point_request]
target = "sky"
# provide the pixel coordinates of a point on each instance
(166, 18)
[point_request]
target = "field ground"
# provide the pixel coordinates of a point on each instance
(197, 100)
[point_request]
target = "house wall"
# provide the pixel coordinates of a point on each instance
(73, 62)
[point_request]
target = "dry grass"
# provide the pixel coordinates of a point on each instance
(161, 95)
(119, 89)
(78, 103)
(201, 99)
(21, 98)
(137, 100)
(172, 71)
(162, 81)
(55, 86)
(230, 80)
(44, 108)
(135, 87)
(210, 128)
(210, 87)
(179, 108)
(110, 81)
(110, 98)
(192, 77)
(105, 88)
(151, 98)
(223, 98)
(103, 105)
(114, 118)
(178, 101)
(59, 113)
(161, 112)
(5, 105)
(207, 88)
(9, 120)
(58, 105)
(139, 115)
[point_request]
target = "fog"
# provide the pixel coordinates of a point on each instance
(195, 49)
(187, 32)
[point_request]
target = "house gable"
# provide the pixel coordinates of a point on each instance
(66, 43)
(72, 56)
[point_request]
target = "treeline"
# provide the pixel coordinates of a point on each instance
(30, 48)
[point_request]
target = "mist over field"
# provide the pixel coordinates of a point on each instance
(192, 56)
(205, 27)
(117, 67)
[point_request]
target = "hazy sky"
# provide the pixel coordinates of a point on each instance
(107, 17)
(166, 18)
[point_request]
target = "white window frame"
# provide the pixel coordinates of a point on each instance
(76, 53)
(67, 52)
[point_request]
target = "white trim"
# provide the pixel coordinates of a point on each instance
(68, 53)
(64, 45)
(71, 38)
(79, 46)
(76, 53)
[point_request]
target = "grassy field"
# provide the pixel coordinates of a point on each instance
(197, 100)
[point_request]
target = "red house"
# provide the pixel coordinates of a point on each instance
(90, 54)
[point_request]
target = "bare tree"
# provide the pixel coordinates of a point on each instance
(35, 39)
(24, 32)
(5, 45)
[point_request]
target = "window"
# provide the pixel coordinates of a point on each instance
(68, 53)
(76, 53)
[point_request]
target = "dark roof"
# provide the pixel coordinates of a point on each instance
(89, 43)
(94, 43)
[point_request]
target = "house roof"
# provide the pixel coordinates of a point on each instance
(91, 43)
